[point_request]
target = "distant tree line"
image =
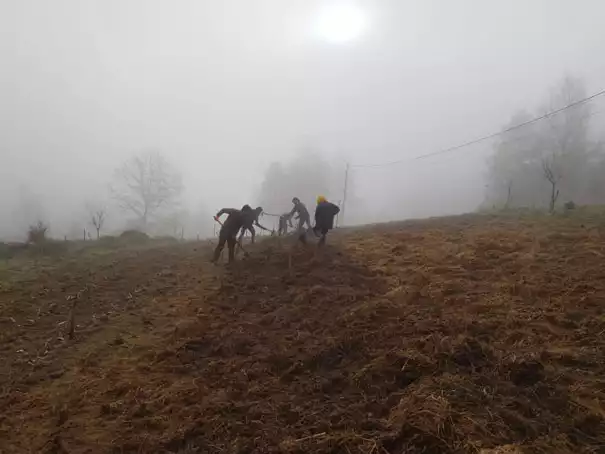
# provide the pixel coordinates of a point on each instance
(549, 162)
(307, 175)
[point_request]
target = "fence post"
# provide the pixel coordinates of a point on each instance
(344, 195)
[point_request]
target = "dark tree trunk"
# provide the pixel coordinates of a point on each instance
(554, 194)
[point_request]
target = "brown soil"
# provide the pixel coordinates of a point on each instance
(469, 334)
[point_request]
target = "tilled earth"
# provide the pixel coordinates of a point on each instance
(454, 335)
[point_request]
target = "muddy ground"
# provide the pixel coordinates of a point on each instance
(455, 335)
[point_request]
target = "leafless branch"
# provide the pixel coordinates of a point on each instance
(146, 184)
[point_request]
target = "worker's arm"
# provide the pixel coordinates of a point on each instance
(225, 211)
(336, 209)
(260, 226)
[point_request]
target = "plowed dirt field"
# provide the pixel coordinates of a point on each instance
(454, 335)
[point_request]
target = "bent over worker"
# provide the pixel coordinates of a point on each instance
(303, 218)
(324, 218)
(229, 229)
(251, 221)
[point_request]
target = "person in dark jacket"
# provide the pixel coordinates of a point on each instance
(251, 221)
(229, 229)
(324, 218)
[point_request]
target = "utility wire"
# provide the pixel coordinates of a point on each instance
(589, 115)
(487, 137)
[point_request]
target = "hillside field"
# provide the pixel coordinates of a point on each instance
(470, 334)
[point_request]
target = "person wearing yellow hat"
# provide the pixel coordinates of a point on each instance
(324, 218)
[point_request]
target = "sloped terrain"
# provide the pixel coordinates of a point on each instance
(468, 334)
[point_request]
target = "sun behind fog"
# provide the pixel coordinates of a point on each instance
(340, 22)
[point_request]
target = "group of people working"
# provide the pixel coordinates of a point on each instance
(240, 221)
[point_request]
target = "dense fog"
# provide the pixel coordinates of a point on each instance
(154, 115)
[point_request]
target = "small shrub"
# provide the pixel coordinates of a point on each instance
(134, 237)
(569, 205)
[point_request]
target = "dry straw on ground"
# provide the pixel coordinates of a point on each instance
(471, 334)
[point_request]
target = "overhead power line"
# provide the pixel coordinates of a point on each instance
(487, 137)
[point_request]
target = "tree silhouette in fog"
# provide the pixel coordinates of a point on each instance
(306, 176)
(146, 185)
(550, 161)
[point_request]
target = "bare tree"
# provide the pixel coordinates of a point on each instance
(507, 164)
(553, 177)
(559, 149)
(146, 184)
(565, 137)
(36, 233)
(97, 219)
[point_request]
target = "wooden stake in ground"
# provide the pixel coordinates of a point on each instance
(291, 251)
(72, 319)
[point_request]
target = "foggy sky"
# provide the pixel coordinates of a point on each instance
(225, 87)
